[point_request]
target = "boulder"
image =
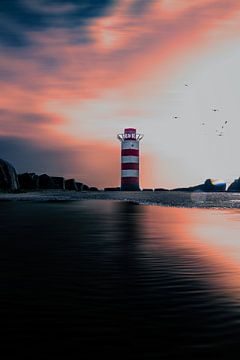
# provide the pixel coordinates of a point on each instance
(85, 187)
(8, 177)
(234, 186)
(210, 185)
(45, 182)
(28, 181)
(147, 189)
(70, 184)
(58, 182)
(79, 186)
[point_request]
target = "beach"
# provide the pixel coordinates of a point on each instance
(160, 198)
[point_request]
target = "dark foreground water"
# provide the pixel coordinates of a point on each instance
(118, 279)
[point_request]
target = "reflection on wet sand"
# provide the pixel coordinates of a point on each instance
(208, 238)
(118, 279)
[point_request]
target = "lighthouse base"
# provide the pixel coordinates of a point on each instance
(130, 187)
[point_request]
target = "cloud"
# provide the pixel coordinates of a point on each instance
(20, 17)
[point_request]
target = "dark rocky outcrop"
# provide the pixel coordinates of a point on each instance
(85, 187)
(234, 186)
(209, 185)
(45, 182)
(147, 189)
(31, 181)
(28, 181)
(79, 186)
(70, 184)
(8, 177)
(11, 181)
(58, 182)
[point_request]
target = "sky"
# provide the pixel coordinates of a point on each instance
(75, 73)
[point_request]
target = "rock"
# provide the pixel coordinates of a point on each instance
(28, 181)
(58, 182)
(70, 184)
(79, 186)
(93, 188)
(8, 177)
(147, 189)
(234, 186)
(112, 189)
(160, 189)
(85, 187)
(45, 182)
(210, 185)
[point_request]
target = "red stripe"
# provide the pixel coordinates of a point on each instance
(130, 166)
(129, 180)
(129, 152)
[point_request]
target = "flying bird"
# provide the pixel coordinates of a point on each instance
(176, 117)
(215, 109)
(225, 122)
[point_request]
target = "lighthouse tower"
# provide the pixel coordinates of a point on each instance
(130, 159)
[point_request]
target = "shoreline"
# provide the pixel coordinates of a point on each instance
(172, 199)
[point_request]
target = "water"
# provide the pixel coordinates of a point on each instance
(112, 278)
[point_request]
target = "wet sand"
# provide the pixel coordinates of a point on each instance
(168, 198)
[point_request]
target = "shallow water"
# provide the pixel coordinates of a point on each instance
(100, 277)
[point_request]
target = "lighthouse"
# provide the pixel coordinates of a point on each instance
(130, 159)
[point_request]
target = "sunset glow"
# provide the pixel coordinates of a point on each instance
(75, 74)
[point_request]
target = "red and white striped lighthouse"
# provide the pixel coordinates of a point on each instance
(130, 159)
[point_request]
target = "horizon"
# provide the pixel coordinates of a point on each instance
(74, 74)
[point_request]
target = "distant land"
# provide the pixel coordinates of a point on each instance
(11, 181)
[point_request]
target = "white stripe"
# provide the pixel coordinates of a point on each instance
(130, 159)
(130, 144)
(129, 173)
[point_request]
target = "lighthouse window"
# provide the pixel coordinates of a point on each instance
(130, 136)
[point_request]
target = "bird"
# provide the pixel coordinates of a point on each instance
(203, 123)
(186, 84)
(225, 122)
(215, 110)
(176, 117)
